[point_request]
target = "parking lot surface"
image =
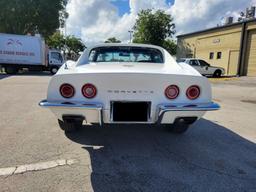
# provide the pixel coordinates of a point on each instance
(218, 153)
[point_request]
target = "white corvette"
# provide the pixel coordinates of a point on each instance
(128, 83)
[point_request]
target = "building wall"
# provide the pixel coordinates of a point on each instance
(250, 50)
(227, 42)
(186, 47)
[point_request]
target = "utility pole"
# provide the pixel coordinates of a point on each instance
(130, 31)
(65, 37)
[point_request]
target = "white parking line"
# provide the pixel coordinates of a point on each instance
(35, 167)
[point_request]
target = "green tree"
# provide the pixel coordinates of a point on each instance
(112, 40)
(170, 46)
(153, 27)
(56, 41)
(32, 16)
(74, 45)
(70, 44)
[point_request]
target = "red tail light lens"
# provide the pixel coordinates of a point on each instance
(172, 91)
(67, 90)
(89, 91)
(193, 92)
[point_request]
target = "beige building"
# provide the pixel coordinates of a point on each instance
(232, 47)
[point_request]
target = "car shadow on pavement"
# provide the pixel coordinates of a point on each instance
(3, 76)
(26, 73)
(209, 157)
(34, 73)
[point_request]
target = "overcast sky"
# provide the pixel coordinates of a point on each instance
(96, 20)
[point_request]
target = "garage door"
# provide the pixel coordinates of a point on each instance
(251, 54)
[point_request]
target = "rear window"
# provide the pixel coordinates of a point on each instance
(125, 54)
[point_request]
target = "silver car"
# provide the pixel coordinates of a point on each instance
(203, 67)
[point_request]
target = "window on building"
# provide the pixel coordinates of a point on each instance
(211, 55)
(218, 55)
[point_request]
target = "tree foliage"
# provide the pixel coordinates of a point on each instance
(56, 41)
(112, 40)
(74, 44)
(70, 44)
(170, 46)
(153, 27)
(32, 16)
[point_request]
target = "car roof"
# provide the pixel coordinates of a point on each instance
(188, 58)
(192, 59)
(126, 45)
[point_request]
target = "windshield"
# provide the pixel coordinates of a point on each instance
(125, 54)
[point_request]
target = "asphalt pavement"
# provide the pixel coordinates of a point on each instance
(218, 153)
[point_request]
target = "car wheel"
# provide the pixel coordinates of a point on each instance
(178, 128)
(217, 73)
(54, 70)
(70, 126)
(181, 124)
(11, 70)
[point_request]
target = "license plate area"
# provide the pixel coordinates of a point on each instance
(123, 111)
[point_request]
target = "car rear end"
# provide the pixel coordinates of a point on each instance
(129, 84)
(128, 98)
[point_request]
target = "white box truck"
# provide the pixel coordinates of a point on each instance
(25, 51)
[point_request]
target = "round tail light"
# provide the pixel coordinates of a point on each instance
(193, 92)
(172, 91)
(89, 91)
(67, 90)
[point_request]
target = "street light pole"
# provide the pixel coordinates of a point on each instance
(130, 31)
(65, 37)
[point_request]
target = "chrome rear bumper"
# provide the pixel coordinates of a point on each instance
(165, 108)
(189, 107)
(45, 103)
(78, 105)
(161, 109)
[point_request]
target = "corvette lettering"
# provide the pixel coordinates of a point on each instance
(130, 91)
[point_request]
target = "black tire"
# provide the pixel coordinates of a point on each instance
(217, 73)
(54, 70)
(70, 126)
(181, 124)
(11, 70)
(177, 128)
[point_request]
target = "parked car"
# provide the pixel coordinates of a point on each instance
(127, 84)
(25, 51)
(203, 67)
